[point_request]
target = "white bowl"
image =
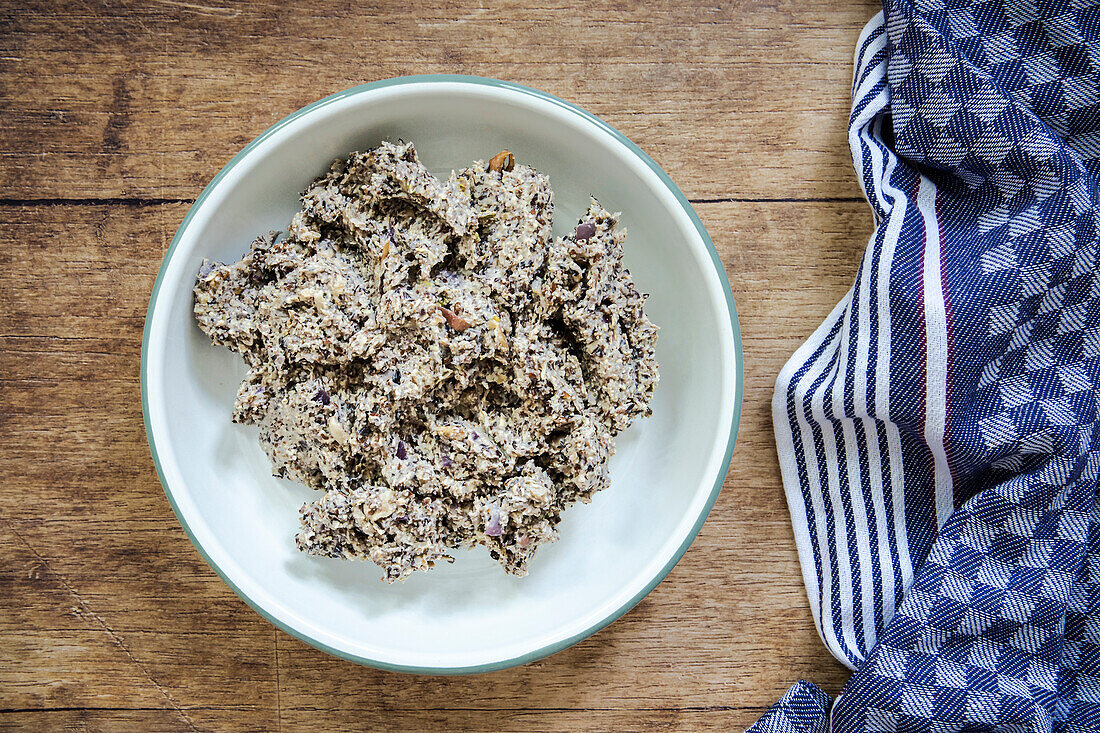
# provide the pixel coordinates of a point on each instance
(469, 616)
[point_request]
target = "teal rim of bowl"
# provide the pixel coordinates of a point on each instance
(718, 267)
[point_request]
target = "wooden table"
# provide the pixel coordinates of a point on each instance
(114, 116)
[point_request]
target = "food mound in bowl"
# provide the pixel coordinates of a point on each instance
(430, 357)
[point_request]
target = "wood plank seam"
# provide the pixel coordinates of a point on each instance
(109, 201)
(147, 201)
(118, 708)
(754, 709)
(87, 610)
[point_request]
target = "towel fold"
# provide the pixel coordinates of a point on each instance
(938, 433)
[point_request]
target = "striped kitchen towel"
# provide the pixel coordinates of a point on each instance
(938, 433)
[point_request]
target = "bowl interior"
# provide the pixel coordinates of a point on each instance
(469, 614)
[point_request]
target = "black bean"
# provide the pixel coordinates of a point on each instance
(402, 454)
(322, 397)
(585, 230)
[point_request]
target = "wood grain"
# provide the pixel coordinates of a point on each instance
(740, 99)
(114, 117)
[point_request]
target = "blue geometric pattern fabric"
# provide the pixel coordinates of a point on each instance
(938, 434)
(803, 709)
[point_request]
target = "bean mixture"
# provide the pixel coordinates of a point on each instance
(432, 359)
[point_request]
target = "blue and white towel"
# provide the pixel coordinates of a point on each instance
(938, 433)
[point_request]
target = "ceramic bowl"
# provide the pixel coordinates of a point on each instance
(469, 616)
